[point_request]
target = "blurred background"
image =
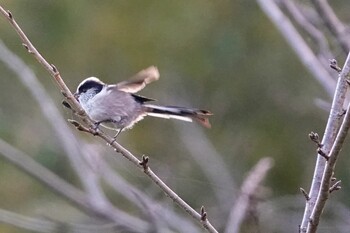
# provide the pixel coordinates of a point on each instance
(224, 56)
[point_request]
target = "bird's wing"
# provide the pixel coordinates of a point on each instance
(142, 99)
(139, 81)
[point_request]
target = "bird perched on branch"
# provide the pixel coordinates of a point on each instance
(117, 107)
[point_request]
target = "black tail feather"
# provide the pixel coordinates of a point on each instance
(180, 113)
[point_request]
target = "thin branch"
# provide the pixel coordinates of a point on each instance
(133, 194)
(42, 174)
(203, 213)
(322, 153)
(306, 195)
(333, 124)
(210, 161)
(31, 224)
(336, 186)
(334, 65)
(76, 106)
(334, 25)
(66, 190)
(69, 142)
(315, 138)
(95, 198)
(300, 47)
(171, 194)
(248, 191)
(308, 27)
(51, 113)
(334, 120)
(53, 71)
(49, 226)
(333, 156)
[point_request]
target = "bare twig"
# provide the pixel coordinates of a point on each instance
(333, 156)
(309, 28)
(334, 65)
(49, 226)
(68, 140)
(66, 190)
(31, 224)
(203, 214)
(144, 162)
(159, 182)
(210, 161)
(42, 174)
(336, 186)
(173, 219)
(46, 104)
(306, 195)
(248, 191)
(322, 153)
(76, 106)
(334, 25)
(32, 50)
(333, 124)
(81, 127)
(96, 200)
(334, 120)
(295, 40)
(315, 138)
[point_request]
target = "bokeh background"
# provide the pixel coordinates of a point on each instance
(224, 56)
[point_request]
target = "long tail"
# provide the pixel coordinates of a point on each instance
(179, 113)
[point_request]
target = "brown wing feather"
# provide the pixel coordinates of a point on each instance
(140, 80)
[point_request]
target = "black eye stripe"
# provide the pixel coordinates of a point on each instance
(90, 84)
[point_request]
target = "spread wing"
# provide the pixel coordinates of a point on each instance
(139, 81)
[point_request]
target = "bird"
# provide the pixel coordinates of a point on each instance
(117, 107)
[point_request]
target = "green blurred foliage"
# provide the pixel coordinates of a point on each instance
(221, 55)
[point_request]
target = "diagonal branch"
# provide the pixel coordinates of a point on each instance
(40, 225)
(300, 47)
(95, 197)
(248, 191)
(334, 25)
(166, 189)
(76, 106)
(333, 156)
(134, 195)
(66, 190)
(332, 127)
(315, 34)
(210, 161)
(47, 106)
(31, 224)
(336, 112)
(43, 175)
